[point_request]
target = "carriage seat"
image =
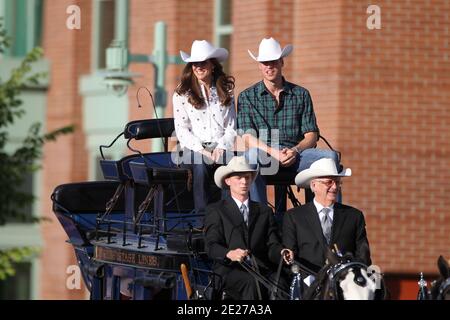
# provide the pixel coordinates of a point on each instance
(132, 167)
(86, 197)
(76, 206)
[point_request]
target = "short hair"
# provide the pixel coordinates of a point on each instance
(311, 185)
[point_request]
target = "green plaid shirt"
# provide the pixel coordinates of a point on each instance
(293, 118)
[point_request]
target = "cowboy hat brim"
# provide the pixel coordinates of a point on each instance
(220, 54)
(303, 178)
(224, 172)
(284, 53)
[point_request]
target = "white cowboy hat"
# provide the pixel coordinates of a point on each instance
(270, 49)
(324, 167)
(202, 50)
(236, 164)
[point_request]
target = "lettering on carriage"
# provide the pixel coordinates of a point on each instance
(127, 257)
(119, 256)
(145, 260)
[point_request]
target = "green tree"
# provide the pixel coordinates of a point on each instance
(14, 166)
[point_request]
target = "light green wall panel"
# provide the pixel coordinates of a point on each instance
(104, 117)
(18, 234)
(34, 101)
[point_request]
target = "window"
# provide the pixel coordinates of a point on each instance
(223, 28)
(110, 21)
(17, 287)
(23, 22)
(225, 16)
(106, 28)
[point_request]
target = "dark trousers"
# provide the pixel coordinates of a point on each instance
(203, 176)
(241, 285)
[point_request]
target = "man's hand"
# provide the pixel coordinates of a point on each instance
(276, 154)
(237, 255)
(287, 157)
(288, 256)
(216, 154)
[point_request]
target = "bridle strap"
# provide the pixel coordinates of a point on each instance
(334, 271)
(337, 269)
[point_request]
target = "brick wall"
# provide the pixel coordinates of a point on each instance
(186, 21)
(252, 21)
(380, 96)
(316, 61)
(393, 106)
(64, 160)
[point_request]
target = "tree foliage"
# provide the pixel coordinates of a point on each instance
(16, 164)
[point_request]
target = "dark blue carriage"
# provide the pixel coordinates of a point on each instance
(133, 232)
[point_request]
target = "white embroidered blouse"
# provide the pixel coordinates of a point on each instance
(211, 123)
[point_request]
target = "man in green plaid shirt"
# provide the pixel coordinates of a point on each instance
(276, 120)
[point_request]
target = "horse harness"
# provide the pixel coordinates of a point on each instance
(335, 273)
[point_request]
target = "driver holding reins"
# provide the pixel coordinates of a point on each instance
(239, 230)
(310, 229)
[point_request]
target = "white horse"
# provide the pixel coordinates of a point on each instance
(353, 287)
(343, 279)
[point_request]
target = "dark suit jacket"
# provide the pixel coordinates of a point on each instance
(225, 230)
(302, 233)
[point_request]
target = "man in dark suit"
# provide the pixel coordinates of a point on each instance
(237, 229)
(309, 229)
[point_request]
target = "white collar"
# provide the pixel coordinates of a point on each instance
(319, 208)
(239, 203)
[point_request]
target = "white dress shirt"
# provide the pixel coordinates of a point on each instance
(239, 204)
(211, 123)
(319, 208)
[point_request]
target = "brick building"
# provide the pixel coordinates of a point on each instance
(380, 96)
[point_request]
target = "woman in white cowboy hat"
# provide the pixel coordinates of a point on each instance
(309, 229)
(204, 113)
(236, 228)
